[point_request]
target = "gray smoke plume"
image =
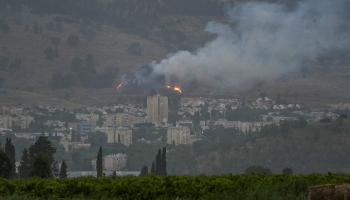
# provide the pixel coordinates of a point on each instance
(264, 41)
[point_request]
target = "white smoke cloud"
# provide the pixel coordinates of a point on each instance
(265, 41)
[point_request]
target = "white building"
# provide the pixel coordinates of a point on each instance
(118, 135)
(6, 121)
(115, 162)
(243, 127)
(157, 109)
(179, 135)
(123, 119)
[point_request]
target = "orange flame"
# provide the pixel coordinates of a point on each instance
(175, 88)
(178, 89)
(117, 85)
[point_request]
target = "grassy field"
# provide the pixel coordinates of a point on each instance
(173, 187)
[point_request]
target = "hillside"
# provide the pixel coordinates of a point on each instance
(52, 50)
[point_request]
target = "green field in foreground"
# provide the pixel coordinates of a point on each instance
(238, 187)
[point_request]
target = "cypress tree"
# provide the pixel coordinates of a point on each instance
(164, 167)
(42, 146)
(41, 157)
(25, 166)
(11, 154)
(159, 162)
(63, 171)
(144, 171)
(42, 166)
(99, 163)
(5, 165)
(56, 169)
(153, 169)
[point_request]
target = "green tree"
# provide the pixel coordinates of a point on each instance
(25, 166)
(63, 171)
(11, 154)
(153, 169)
(99, 165)
(41, 166)
(42, 146)
(144, 171)
(5, 165)
(159, 162)
(41, 155)
(164, 164)
(55, 168)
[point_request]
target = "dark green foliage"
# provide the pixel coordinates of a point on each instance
(163, 162)
(99, 163)
(159, 166)
(63, 170)
(25, 166)
(153, 169)
(173, 187)
(42, 146)
(5, 165)
(41, 166)
(55, 168)
(11, 154)
(41, 158)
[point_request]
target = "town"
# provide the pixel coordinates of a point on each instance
(77, 133)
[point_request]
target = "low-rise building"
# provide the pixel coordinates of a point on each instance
(115, 162)
(179, 135)
(6, 121)
(118, 135)
(123, 119)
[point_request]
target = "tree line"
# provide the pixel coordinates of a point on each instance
(159, 165)
(37, 161)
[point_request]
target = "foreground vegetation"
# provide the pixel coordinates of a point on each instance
(172, 187)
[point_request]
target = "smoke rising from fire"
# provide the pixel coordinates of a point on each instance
(264, 41)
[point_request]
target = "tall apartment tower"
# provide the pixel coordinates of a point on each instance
(157, 109)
